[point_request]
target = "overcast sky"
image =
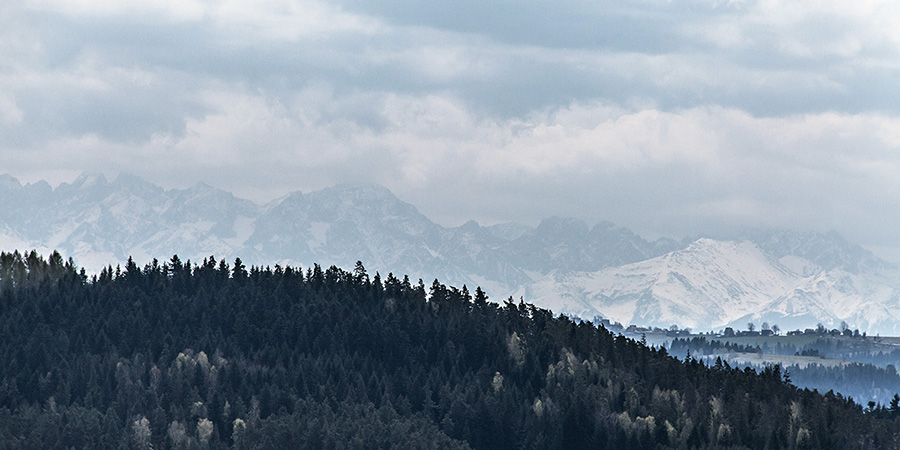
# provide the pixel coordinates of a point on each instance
(672, 118)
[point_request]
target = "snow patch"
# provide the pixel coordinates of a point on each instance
(319, 233)
(243, 229)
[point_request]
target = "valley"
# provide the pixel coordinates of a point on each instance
(861, 367)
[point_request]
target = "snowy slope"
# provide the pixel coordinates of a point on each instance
(868, 301)
(706, 284)
(794, 279)
(712, 284)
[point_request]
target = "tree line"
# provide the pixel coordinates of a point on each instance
(214, 355)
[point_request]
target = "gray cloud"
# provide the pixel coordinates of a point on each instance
(672, 118)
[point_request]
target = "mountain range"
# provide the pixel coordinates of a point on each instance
(794, 279)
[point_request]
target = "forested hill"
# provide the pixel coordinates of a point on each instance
(176, 355)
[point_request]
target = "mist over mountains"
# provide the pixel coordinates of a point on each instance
(790, 278)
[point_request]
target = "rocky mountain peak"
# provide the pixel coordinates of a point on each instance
(561, 226)
(8, 183)
(828, 250)
(787, 277)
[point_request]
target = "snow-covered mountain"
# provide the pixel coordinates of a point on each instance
(98, 222)
(713, 283)
(793, 279)
(708, 282)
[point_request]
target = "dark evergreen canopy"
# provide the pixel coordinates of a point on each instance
(177, 355)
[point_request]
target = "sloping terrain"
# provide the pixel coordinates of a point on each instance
(790, 278)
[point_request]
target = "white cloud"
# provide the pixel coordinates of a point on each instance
(270, 19)
(431, 135)
(808, 29)
(439, 63)
(179, 10)
(10, 114)
(658, 115)
(291, 20)
(434, 133)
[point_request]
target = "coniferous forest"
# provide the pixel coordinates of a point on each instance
(216, 355)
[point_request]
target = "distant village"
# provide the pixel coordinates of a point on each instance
(727, 332)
